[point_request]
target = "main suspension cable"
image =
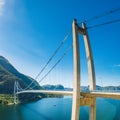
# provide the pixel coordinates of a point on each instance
(101, 15)
(60, 59)
(50, 59)
(102, 24)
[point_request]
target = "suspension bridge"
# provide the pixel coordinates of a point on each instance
(79, 98)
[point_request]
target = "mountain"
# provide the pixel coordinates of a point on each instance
(83, 88)
(8, 75)
(111, 88)
(53, 87)
(105, 88)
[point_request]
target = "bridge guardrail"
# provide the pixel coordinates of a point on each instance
(111, 91)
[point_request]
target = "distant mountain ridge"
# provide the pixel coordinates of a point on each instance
(83, 88)
(53, 87)
(8, 75)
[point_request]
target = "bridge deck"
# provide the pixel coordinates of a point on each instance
(84, 94)
(47, 92)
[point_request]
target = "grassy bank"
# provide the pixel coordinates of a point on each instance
(6, 99)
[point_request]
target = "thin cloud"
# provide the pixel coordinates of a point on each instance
(2, 3)
(117, 65)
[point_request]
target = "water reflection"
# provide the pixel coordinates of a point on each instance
(59, 109)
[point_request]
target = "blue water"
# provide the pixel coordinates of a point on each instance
(59, 109)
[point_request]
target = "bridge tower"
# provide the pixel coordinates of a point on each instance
(15, 91)
(77, 100)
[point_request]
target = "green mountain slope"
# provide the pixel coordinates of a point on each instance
(8, 75)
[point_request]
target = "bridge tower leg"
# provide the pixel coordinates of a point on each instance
(91, 72)
(15, 90)
(77, 101)
(76, 82)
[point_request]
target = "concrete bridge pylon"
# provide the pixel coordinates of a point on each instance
(91, 73)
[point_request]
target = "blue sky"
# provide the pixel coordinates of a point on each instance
(30, 31)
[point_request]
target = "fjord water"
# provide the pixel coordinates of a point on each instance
(59, 109)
